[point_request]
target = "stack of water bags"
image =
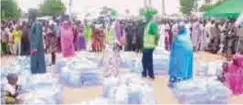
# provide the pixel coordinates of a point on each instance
(42, 89)
(128, 59)
(161, 61)
(127, 89)
(210, 69)
(201, 91)
(78, 71)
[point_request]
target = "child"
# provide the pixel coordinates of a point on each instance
(12, 90)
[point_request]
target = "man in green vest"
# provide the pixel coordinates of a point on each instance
(150, 39)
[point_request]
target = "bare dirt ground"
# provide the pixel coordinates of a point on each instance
(162, 93)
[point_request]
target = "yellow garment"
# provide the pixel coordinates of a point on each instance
(9, 99)
(17, 34)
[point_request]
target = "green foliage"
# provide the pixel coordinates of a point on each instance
(147, 11)
(9, 10)
(52, 8)
(108, 11)
(205, 7)
(187, 6)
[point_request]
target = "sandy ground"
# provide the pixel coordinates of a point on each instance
(162, 93)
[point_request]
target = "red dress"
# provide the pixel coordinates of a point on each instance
(97, 40)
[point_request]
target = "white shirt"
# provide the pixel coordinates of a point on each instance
(10, 88)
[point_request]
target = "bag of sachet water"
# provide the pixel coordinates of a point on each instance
(74, 78)
(59, 65)
(64, 74)
(137, 67)
(35, 102)
(147, 95)
(217, 92)
(108, 84)
(121, 95)
(40, 80)
(97, 101)
(134, 94)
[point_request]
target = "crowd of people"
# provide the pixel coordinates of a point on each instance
(207, 35)
(180, 37)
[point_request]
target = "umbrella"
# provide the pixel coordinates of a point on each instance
(229, 8)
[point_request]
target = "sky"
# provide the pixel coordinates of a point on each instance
(84, 6)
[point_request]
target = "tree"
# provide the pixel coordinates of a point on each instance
(187, 6)
(52, 8)
(205, 7)
(9, 10)
(143, 11)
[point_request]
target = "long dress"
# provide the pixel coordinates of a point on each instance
(97, 40)
(196, 35)
(67, 38)
(37, 60)
(25, 46)
(234, 75)
(181, 57)
(80, 42)
(88, 34)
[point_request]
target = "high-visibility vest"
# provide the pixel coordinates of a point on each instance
(149, 41)
(110, 39)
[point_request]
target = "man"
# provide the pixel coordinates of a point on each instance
(150, 40)
(37, 61)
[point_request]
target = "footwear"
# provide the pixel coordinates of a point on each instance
(152, 78)
(171, 85)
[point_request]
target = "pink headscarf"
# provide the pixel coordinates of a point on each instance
(238, 60)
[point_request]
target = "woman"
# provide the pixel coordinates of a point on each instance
(80, 42)
(67, 38)
(234, 74)
(51, 43)
(181, 56)
(25, 44)
(97, 39)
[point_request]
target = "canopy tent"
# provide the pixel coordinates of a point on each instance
(229, 8)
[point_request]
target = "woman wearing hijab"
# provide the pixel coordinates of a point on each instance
(234, 74)
(51, 43)
(97, 38)
(80, 42)
(181, 56)
(67, 39)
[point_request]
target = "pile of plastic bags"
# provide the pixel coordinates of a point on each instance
(41, 89)
(212, 69)
(127, 59)
(160, 61)
(78, 78)
(80, 70)
(87, 59)
(97, 101)
(20, 66)
(201, 91)
(127, 89)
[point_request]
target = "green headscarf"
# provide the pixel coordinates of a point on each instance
(148, 12)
